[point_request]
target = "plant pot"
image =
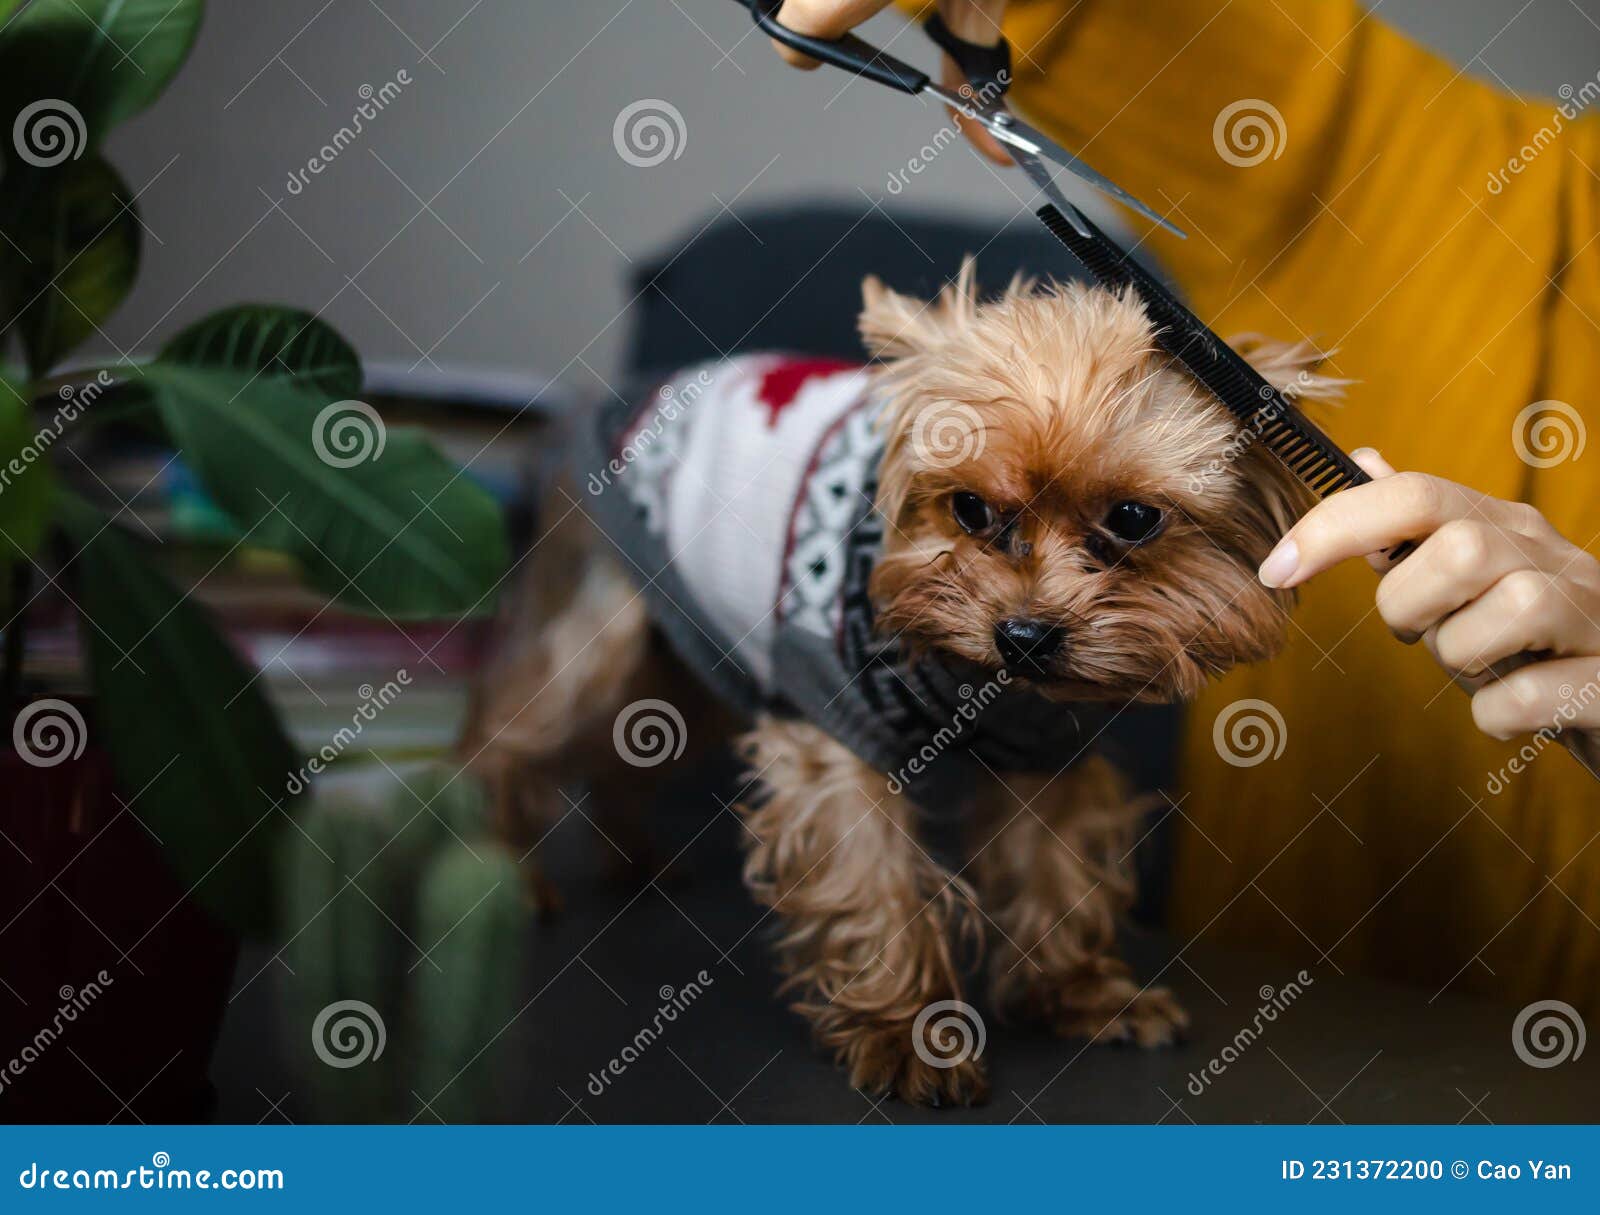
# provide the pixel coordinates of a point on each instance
(114, 982)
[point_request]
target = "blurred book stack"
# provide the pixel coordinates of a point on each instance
(319, 663)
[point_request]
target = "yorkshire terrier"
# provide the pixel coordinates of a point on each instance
(924, 585)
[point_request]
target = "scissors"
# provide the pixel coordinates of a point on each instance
(981, 100)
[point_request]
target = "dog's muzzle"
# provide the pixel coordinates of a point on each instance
(1027, 646)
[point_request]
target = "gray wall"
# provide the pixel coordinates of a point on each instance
(506, 133)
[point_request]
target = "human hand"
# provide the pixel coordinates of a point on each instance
(1505, 604)
(975, 20)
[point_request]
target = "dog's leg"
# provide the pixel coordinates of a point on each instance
(668, 721)
(868, 920)
(1054, 876)
(542, 713)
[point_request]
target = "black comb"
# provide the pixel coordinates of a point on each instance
(1259, 407)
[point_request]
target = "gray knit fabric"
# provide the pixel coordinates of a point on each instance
(932, 726)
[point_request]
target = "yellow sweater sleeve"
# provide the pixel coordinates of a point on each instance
(1257, 120)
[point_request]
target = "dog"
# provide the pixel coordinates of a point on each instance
(922, 585)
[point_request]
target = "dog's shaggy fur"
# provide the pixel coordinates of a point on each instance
(1076, 412)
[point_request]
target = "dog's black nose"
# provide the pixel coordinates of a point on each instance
(1028, 644)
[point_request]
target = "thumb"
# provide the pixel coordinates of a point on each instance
(952, 78)
(975, 20)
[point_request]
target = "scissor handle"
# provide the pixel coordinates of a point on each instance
(987, 68)
(850, 53)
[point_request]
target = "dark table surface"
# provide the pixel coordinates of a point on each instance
(1346, 1049)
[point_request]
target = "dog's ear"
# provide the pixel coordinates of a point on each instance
(1291, 367)
(1273, 497)
(893, 326)
(890, 324)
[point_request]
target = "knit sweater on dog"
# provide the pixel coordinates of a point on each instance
(741, 493)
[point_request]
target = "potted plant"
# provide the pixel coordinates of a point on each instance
(142, 819)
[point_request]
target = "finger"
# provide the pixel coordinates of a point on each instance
(980, 138)
(1368, 519)
(1449, 570)
(1372, 462)
(1375, 466)
(1563, 693)
(974, 20)
(821, 19)
(1524, 611)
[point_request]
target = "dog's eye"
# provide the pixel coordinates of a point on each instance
(1133, 522)
(972, 512)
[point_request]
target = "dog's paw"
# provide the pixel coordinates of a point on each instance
(889, 1064)
(917, 1082)
(1149, 1018)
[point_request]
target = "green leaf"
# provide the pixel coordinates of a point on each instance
(379, 519)
(26, 479)
(274, 342)
(75, 257)
(199, 754)
(88, 65)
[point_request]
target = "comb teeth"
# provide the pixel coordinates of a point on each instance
(1308, 453)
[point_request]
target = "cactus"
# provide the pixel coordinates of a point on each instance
(472, 918)
(360, 882)
(343, 952)
(456, 804)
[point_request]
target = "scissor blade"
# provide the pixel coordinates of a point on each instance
(1054, 151)
(1044, 181)
(1024, 140)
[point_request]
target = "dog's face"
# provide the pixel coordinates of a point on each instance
(1064, 502)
